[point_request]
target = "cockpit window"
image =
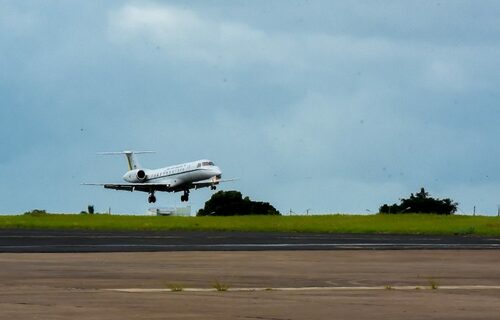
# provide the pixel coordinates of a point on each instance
(207, 163)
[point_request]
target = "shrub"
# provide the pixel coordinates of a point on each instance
(230, 203)
(36, 212)
(421, 202)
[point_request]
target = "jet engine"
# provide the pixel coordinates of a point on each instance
(135, 176)
(141, 175)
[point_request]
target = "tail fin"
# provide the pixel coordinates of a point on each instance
(131, 159)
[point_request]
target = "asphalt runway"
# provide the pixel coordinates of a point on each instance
(53, 241)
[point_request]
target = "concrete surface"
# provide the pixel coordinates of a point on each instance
(72, 285)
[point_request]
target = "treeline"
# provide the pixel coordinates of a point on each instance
(231, 203)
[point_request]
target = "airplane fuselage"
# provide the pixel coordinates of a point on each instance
(176, 175)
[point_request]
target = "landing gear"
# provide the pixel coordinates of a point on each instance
(213, 187)
(185, 196)
(151, 198)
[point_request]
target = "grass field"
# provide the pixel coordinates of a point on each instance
(396, 224)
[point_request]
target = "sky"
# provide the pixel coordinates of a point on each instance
(319, 106)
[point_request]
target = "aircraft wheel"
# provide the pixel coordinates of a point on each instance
(152, 199)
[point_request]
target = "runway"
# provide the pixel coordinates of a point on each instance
(49, 274)
(293, 285)
(53, 241)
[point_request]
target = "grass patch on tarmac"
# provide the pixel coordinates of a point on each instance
(339, 223)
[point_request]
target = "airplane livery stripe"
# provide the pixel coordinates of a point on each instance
(174, 174)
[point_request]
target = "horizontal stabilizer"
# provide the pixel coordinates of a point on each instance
(123, 152)
(131, 159)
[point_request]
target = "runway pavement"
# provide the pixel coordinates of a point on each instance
(94, 275)
(149, 241)
(292, 285)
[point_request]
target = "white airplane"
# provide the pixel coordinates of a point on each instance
(181, 177)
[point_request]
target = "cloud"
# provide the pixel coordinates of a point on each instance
(185, 35)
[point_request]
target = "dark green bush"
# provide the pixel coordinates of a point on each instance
(36, 212)
(232, 203)
(421, 203)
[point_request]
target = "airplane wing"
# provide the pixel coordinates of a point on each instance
(146, 187)
(149, 187)
(209, 183)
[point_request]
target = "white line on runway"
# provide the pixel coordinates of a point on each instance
(462, 287)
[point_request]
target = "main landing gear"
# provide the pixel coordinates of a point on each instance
(185, 196)
(213, 187)
(151, 198)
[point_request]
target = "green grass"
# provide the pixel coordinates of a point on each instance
(433, 284)
(175, 287)
(395, 224)
(220, 286)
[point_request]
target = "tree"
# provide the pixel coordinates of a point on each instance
(230, 203)
(421, 202)
(36, 212)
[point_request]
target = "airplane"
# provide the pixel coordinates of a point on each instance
(181, 177)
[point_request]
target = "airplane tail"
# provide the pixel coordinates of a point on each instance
(131, 159)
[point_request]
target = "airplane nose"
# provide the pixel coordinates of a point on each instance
(217, 172)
